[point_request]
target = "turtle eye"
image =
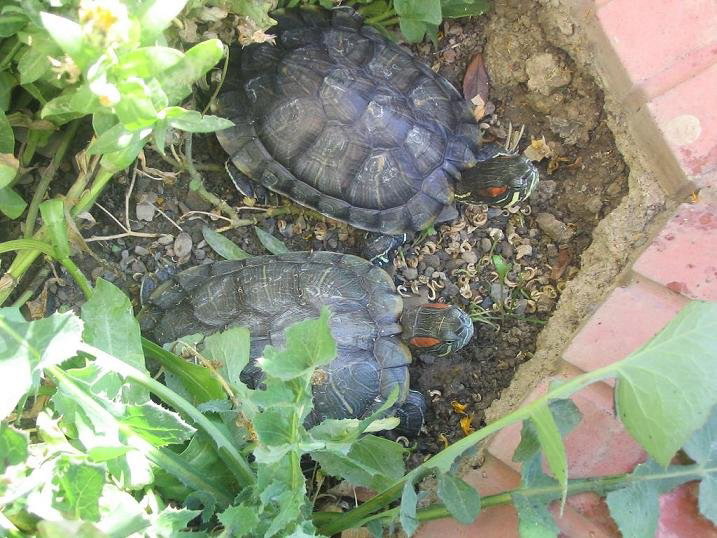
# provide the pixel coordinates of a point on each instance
(424, 341)
(493, 192)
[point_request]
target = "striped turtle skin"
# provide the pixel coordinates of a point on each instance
(341, 120)
(266, 294)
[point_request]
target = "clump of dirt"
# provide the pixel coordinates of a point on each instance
(507, 268)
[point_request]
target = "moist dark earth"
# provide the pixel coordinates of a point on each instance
(532, 84)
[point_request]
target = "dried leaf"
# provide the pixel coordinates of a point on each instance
(564, 257)
(538, 150)
(467, 424)
(459, 407)
(476, 81)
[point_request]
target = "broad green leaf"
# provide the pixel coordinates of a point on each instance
(420, 10)
(33, 64)
(7, 83)
(552, 445)
(11, 203)
(231, 349)
(414, 31)
(194, 122)
(120, 514)
(147, 62)
(534, 518)
(114, 161)
(32, 345)
(67, 34)
(666, 389)
(274, 428)
(461, 499)
(111, 326)
(156, 15)
(566, 415)
(136, 109)
(170, 521)
(13, 446)
(308, 344)
(373, 462)
(113, 139)
(73, 103)
(177, 80)
(271, 243)
(7, 140)
(80, 489)
(226, 248)
(702, 448)
(156, 424)
(11, 23)
(636, 508)
(407, 514)
(463, 8)
(65, 527)
(9, 166)
(239, 520)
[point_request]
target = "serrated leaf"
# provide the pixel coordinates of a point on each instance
(308, 344)
(171, 521)
(231, 349)
(271, 243)
(226, 248)
(27, 347)
(666, 389)
(13, 446)
(702, 448)
(239, 520)
(121, 515)
(407, 514)
(461, 499)
(80, 489)
(566, 415)
(156, 424)
(11, 203)
(110, 325)
(372, 462)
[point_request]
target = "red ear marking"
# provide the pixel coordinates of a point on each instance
(437, 306)
(493, 191)
(424, 341)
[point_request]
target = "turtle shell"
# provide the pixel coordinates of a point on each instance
(340, 119)
(266, 294)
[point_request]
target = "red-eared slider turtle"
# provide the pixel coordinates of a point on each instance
(343, 121)
(266, 294)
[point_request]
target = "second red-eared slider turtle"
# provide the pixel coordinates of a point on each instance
(340, 119)
(372, 329)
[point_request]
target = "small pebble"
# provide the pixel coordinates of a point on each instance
(165, 239)
(199, 254)
(182, 245)
(557, 230)
(410, 273)
(145, 211)
(485, 244)
(140, 251)
(471, 256)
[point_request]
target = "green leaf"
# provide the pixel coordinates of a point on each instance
(418, 17)
(308, 344)
(666, 389)
(239, 520)
(231, 349)
(566, 415)
(26, 347)
(156, 15)
(552, 445)
(7, 143)
(501, 266)
(9, 166)
(170, 521)
(156, 424)
(271, 243)
(461, 499)
(111, 326)
(453, 9)
(33, 64)
(67, 34)
(177, 80)
(73, 103)
(147, 62)
(534, 518)
(372, 462)
(226, 248)
(702, 448)
(7, 83)
(80, 489)
(113, 139)
(194, 122)
(407, 514)
(11, 23)
(136, 110)
(121, 515)
(13, 446)
(11, 203)
(53, 215)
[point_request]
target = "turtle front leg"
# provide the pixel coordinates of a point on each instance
(411, 414)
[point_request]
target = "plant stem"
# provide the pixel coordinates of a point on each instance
(380, 18)
(445, 458)
(236, 462)
(47, 176)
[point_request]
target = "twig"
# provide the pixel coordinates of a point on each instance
(120, 236)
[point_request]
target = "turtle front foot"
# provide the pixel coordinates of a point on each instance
(381, 249)
(412, 415)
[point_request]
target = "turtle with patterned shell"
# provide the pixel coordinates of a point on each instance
(345, 122)
(374, 332)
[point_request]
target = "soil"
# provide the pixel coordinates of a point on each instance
(533, 83)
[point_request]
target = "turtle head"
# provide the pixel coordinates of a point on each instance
(436, 328)
(501, 180)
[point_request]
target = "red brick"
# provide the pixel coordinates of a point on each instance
(683, 257)
(628, 318)
(661, 43)
(679, 516)
(687, 117)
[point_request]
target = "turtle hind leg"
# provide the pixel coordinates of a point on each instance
(380, 249)
(248, 187)
(412, 415)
